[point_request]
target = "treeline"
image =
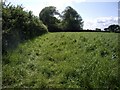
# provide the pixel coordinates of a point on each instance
(68, 20)
(19, 25)
(111, 28)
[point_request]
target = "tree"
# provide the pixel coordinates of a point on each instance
(114, 28)
(97, 29)
(47, 16)
(106, 29)
(71, 19)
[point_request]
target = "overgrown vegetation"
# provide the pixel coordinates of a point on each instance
(19, 25)
(64, 60)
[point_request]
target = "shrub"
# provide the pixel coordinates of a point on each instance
(19, 25)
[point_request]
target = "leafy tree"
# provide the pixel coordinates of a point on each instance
(71, 19)
(47, 16)
(106, 29)
(114, 28)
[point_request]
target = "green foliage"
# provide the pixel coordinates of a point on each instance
(64, 60)
(19, 25)
(72, 20)
(97, 29)
(113, 28)
(47, 16)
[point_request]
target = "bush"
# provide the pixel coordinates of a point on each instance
(19, 25)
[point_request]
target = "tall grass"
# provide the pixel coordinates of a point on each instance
(64, 60)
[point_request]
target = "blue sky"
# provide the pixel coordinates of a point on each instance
(98, 14)
(97, 9)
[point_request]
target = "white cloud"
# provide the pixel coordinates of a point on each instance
(101, 22)
(37, 5)
(59, 4)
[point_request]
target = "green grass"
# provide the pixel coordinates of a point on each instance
(64, 60)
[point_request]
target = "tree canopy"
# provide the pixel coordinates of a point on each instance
(47, 16)
(113, 28)
(69, 20)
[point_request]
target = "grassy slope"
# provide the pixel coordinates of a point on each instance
(70, 60)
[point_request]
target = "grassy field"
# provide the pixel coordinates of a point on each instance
(64, 60)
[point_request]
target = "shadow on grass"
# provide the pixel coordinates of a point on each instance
(10, 41)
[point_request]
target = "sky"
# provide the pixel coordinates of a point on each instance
(95, 13)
